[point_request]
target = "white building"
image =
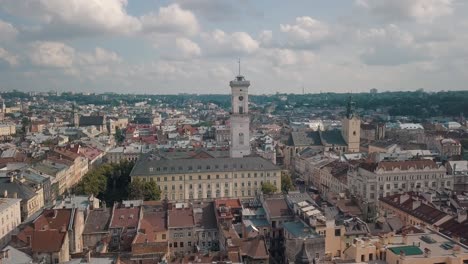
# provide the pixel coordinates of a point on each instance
(10, 217)
(369, 181)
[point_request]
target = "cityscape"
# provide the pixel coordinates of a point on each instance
(253, 171)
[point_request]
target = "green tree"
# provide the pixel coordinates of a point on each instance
(268, 188)
(141, 190)
(119, 135)
(286, 182)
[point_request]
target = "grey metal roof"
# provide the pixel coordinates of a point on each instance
(22, 191)
(332, 137)
(152, 167)
(303, 138)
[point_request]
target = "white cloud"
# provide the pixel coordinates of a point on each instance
(419, 10)
(9, 58)
(219, 42)
(7, 31)
(70, 62)
(52, 54)
(74, 17)
(288, 57)
(306, 31)
(265, 38)
(390, 46)
(99, 56)
(171, 19)
(188, 47)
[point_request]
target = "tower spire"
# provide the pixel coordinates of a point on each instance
(238, 61)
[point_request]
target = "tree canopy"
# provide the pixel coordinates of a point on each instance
(269, 188)
(141, 190)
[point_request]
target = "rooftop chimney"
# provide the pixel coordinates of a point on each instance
(461, 215)
(416, 203)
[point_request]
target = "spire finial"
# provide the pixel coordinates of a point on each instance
(239, 66)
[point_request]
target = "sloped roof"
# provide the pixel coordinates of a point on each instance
(148, 167)
(91, 120)
(22, 191)
(97, 221)
(332, 137)
(303, 138)
(47, 241)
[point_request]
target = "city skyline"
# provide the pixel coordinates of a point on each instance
(192, 46)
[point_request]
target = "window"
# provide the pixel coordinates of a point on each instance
(337, 232)
(189, 243)
(241, 138)
(163, 236)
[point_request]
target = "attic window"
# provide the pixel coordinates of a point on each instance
(164, 168)
(190, 168)
(172, 168)
(180, 168)
(151, 169)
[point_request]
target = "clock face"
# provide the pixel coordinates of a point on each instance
(241, 98)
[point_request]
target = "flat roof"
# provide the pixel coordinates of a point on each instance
(407, 250)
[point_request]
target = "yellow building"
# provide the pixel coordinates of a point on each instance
(207, 178)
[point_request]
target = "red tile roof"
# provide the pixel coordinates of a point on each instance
(53, 219)
(150, 223)
(48, 241)
(180, 218)
(125, 218)
(407, 164)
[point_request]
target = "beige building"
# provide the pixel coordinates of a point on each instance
(10, 217)
(7, 129)
(32, 197)
(369, 181)
(208, 178)
(351, 128)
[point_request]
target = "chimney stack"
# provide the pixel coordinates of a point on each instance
(416, 203)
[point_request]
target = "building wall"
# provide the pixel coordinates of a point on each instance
(372, 185)
(181, 240)
(194, 186)
(351, 131)
(7, 129)
(31, 206)
(91, 240)
(76, 239)
(10, 218)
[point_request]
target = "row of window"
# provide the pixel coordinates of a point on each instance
(208, 177)
(411, 177)
(412, 185)
(200, 167)
(208, 187)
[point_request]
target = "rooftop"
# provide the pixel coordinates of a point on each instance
(179, 218)
(97, 221)
(299, 230)
(151, 167)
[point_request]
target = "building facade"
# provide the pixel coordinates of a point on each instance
(10, 217)
(369, 181)
(240, 120)
(351, 129)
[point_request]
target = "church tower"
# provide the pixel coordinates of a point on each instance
(240, 120)
(351, 128)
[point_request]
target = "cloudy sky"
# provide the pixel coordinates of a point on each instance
(162, 46)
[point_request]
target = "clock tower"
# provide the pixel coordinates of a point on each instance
(240, 120)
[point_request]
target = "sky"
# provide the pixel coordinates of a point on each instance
(193, 46)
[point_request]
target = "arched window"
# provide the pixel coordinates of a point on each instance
(241, 138)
